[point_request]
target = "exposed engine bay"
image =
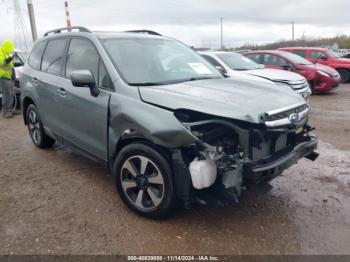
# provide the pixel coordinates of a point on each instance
(228, 150)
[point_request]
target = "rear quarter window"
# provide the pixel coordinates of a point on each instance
(35, 57)
(301, 53)
(255, 57)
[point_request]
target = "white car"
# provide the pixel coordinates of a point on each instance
(230, 63)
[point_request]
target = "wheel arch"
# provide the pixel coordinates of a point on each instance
(129, 137)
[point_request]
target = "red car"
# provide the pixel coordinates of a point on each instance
(321, 78)
(324, 56)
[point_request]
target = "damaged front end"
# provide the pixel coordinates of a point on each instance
(231, 154)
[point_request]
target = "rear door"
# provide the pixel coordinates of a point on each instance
(87, 116)
(49, 82)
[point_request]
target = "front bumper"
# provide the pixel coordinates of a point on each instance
(326, 84)
(269, 168)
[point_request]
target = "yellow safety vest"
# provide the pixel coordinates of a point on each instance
(5, 69)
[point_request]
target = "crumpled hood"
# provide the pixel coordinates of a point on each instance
(7, 47)
(276, 75)
(232, 98)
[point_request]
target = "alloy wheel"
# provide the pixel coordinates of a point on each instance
(142, 182)
(34, 127)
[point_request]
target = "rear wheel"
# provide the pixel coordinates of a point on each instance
(344, 75)
(144, 180)
(36, 129)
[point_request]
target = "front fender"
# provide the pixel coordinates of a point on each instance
(153, 123)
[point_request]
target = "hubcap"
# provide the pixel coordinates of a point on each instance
(142, 182)
(34, 127)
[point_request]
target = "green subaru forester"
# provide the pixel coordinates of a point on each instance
(169, 126)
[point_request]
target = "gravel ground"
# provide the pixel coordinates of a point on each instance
(56, 202)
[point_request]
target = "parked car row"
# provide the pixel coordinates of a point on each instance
(167, 123)
(321, 78)
(232, 64)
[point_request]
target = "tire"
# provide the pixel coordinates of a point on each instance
(144, 181)
(36, 129)
(344, 75)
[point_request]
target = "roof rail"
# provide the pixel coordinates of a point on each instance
(68, 29)
(150, 32)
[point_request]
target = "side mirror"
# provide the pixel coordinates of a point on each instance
(261, 66)
(322, 56)
(84, 78)
(287, 67)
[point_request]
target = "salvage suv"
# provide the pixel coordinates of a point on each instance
(166, 122)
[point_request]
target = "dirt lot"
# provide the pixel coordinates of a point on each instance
(56, 202)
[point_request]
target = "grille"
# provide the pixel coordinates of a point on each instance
(285, 114)
(299, 85)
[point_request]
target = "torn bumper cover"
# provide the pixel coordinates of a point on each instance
(268, 168)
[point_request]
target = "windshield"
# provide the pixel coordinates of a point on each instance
(151, 61)
(333, 54)
(296, 59)
(238, 62)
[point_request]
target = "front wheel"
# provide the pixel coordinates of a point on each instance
(344, 75)
(144, 180)
(36, 129)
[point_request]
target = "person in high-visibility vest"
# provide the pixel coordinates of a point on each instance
(6, 77)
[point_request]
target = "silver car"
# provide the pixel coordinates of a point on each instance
(169, 126)
(230, 63)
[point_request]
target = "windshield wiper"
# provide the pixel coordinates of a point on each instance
(147, 84)
(171, 81)
(199, 78)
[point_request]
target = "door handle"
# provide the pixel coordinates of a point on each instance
(35, 80)
(61, 91)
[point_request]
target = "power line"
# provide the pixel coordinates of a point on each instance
(20, 29)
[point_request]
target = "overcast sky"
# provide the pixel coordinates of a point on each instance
(195, 22)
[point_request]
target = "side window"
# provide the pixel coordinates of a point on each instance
(104, 80)
(255, 57)
(82, 55)
(211, 60)
(301, 53)
(36, 55)
(316, 54)
(274, 60)
(53, 56)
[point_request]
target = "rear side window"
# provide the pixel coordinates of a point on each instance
(82, 55)
(53, 56)
(255, 57)
(301, 53)
(274, 60)
(36, 55)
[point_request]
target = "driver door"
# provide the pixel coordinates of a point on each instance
(87, 116)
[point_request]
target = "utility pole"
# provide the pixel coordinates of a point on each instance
(222, 36)
(293, 30)
(32, 20)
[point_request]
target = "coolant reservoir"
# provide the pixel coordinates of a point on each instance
(203, 173)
